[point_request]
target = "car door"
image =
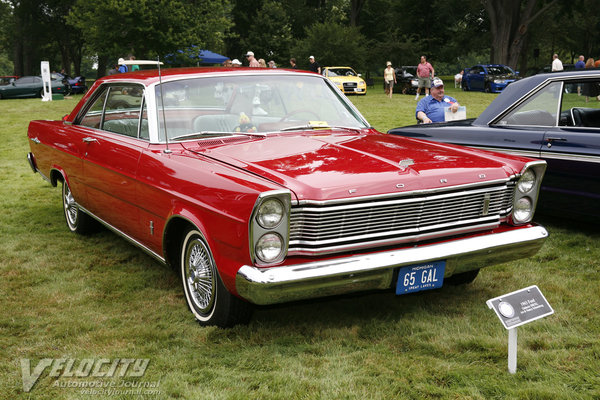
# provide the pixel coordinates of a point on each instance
(572, 149)
(477, 78)
(113, 147)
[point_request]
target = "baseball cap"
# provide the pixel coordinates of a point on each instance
(389, 63)
(121, 61)
(311, 57)
(250, 53)
(236, 61)
(436, 82)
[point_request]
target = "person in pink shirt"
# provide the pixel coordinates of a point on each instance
(425, 72)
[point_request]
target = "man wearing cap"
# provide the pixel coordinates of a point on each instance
(314, 66)
(253, 62)
(432, 107)
(122, 66)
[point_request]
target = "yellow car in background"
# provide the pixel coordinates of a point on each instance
(346, 79)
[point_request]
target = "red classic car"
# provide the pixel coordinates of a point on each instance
(267, 185)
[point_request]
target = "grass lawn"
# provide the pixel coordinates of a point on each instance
(98, 297)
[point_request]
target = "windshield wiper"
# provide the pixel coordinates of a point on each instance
(309, 126)
(216, 133)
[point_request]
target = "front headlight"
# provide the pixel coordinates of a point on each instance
(523, 210)
(269, 228)
(270, 213)
(526, 192)
(269, 247)
(527, 181)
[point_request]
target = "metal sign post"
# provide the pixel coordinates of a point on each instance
(516, 309)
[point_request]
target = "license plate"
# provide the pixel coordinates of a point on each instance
(358, 90)
(415, 278)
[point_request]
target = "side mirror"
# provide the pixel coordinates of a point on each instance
(359, 74)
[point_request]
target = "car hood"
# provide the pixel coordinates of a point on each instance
(327, 166)
(345, 78)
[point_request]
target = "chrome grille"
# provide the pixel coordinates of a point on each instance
(330, 228)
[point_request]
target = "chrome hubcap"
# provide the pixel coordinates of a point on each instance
(70, 206)
(200, 276)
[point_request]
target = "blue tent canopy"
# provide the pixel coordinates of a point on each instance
(196, 55)
(209, 57)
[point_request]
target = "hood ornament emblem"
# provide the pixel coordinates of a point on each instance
(406, 163)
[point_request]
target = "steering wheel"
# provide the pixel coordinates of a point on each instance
(299, 111)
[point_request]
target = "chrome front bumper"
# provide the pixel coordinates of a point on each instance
(376, 270)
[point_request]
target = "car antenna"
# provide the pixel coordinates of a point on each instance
(162, 105)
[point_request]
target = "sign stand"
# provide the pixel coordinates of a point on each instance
(516, 309)
(512, 350)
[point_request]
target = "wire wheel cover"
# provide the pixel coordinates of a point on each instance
(200, 276)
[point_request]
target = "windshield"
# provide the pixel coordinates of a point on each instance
(500, 70)
(252, 104)
(341, 72)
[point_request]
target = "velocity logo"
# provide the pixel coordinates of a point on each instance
(89, 367)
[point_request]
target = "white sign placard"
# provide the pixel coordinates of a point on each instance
(460, 114)
(46, 81)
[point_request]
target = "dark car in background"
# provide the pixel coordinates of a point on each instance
(541, 116)
(489, 78)
(406, 80)
(32, 86)
(77, 84)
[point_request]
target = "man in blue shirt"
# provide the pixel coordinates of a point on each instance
(431, 108)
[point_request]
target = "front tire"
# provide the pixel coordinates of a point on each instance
(77, 220)
(205, 294)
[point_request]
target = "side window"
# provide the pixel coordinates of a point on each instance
(538, 110)
(580, 105)
(93, 116)
(123, 109)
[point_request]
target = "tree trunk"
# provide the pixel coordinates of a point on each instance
(355, 8)
(509, 22)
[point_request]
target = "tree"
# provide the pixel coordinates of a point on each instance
(146, 28)
(509, 25)
(333, 44)
(274, 38)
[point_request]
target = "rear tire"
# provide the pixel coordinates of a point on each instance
(205, 294)
(77, 220)
(463, 278)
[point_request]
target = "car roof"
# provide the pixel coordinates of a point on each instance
(520, 88)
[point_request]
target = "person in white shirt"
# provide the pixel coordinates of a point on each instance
(556, 63)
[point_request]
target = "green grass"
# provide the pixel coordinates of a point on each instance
(69, 296)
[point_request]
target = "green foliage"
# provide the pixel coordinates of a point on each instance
(332, 44)
(6, 66)
(271, 35)
(146, 29)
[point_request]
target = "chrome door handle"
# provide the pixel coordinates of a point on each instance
(90, 140)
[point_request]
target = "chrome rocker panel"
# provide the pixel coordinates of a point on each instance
(376, 271)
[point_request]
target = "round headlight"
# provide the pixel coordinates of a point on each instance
(526, 182)
(269, 247)
(270, 213)
(523, 210)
